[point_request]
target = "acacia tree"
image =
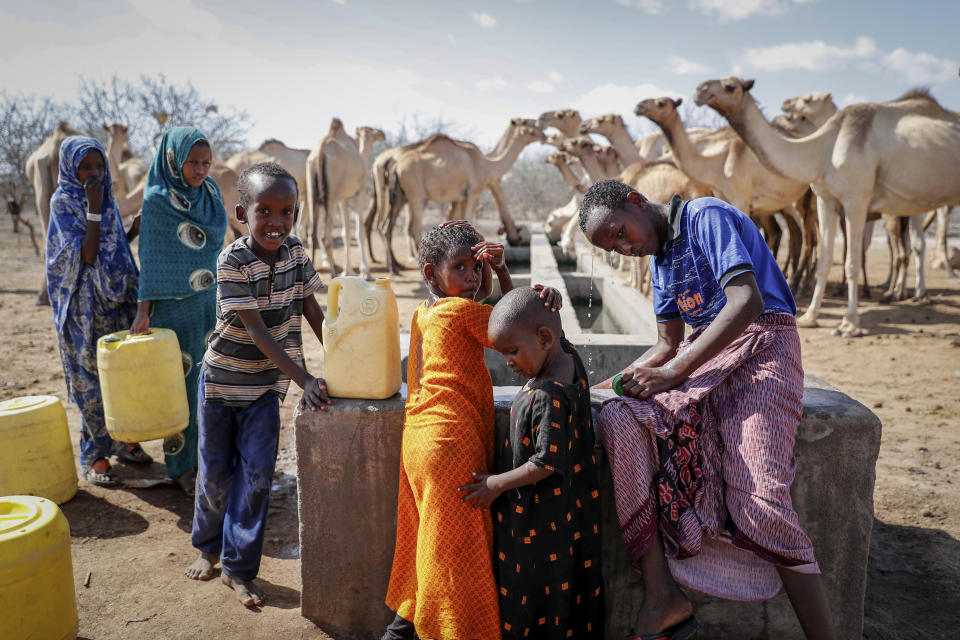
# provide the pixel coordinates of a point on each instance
(25, 121)
(149, 107)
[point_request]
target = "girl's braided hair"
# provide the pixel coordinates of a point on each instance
(437, 243)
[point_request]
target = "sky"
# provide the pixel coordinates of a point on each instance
(292, 65)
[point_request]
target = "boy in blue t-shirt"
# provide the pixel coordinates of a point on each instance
(740, 377)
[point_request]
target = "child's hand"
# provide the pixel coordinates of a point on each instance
(643, 382)
(93, 188)
(315, 395)
(489, 252)
(481, 492)
(550, 296)
(141, 323)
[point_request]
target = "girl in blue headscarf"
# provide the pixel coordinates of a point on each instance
(183, 223)
(92, 283)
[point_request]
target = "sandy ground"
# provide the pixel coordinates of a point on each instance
(135, 543)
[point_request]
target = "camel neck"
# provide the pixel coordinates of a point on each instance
(688, 157)
(797, 159)
(621, 142)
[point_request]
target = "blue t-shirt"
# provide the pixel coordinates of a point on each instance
(712, 242)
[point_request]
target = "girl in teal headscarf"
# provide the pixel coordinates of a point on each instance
(181, 234)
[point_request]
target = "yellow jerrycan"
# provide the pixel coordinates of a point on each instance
(36, 573)
(142, 383)
(361, 339)
(36, 456)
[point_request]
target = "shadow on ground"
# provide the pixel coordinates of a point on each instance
(911, 583)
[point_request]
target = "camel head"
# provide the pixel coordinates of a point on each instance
(117, 133)
(336, 126)
(523, 122)
(793, 125)
(554, 139)
(578, 146)
(816, 107)
(370, 135)
(603, 125)
(552, 118)
(525, 135)
(660, 110)
(606, 154)
(558, 158)
(725, 96)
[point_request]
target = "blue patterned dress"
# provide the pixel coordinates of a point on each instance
(88, 300)
(181, 234)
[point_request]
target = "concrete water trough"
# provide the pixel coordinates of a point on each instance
(348, 463)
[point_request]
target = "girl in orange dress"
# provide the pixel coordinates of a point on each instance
(442, 585)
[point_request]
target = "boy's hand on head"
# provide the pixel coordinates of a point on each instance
(550, 296)
(482, 492)
(93, 188)
(315, 395)
(643, 382)
(489, 252)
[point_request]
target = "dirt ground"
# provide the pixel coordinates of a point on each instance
(135, 543)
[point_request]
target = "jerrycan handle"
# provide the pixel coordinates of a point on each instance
(112, 343)
(333, 301)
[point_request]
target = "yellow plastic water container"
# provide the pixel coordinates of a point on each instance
(141, 379)
(36, 573)
(361, 339)
(36, 455)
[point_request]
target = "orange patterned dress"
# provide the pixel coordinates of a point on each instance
(442, 577)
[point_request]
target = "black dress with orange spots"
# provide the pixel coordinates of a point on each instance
(547, 534)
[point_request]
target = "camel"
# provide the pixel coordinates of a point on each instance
(42, 169)
(558, 219)
(734, 173)
(336, 171)
(900, 158)
(293, 160)
(566, 121)
(612, 128)
(446, 170)
(378, 211)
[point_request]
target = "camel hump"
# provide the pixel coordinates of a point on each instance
(918, 93)
(437, 137)
(268, 142)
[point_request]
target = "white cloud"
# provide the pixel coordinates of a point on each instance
(682, 66)
(486, 84)
(555, 77)
(485, 20)
(808, 56)
(732, 10)
(920, 68)
(340, 2)
(652, 7)
(864, 54)
(451, 39)
(618, 98)
(540, 86)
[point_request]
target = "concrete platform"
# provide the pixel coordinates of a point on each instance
(347, 465)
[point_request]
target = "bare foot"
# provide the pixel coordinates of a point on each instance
(248, 593)
(202, 567)
(658, 615)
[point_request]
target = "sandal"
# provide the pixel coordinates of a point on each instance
(134, 454)
(683, 630)
(101, 478)
(188, 482)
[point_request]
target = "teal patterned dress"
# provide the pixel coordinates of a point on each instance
(181, 234)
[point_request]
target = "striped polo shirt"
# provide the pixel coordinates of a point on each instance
(236, 371)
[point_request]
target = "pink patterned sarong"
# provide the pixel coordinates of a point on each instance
(708, 465)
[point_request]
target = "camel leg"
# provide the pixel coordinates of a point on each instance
(811, 240)
(794, 224)
(330, 211)
(943, 215)
(345, 233)
(412, 228)
(568, 239)
(918, 247)
(513, 238)
(393, 211)
(828, 217)
(895, 242)
(361, 199)
(43, 176)
(855, 211)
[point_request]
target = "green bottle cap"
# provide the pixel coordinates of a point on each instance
(618, 384)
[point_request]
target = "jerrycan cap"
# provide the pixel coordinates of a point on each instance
(383, 282)
(109, 339)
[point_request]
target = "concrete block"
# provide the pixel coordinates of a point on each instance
(348, 460)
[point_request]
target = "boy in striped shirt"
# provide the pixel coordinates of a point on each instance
(265, 285)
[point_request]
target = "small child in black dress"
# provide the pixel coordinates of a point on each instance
(544, 496)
